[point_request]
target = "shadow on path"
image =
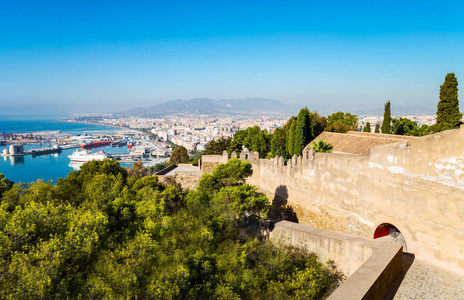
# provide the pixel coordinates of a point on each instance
(408, 259)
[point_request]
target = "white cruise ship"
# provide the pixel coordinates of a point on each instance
(84, 156)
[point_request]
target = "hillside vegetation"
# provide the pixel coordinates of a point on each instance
(101, 234)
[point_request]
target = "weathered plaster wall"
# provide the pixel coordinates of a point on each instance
(418, 186)
(209, 162)
(189, 180)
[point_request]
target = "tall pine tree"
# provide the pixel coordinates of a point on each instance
(448, 115)
(386, 118)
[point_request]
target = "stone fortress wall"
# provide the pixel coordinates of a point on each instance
(417, 186)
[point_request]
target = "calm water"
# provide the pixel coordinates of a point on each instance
(47, 167)
(22, 124)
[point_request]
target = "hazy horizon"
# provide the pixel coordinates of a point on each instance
(87, 57)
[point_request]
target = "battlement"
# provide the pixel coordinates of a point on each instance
(414, 185)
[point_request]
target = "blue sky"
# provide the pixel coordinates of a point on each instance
(96, 56)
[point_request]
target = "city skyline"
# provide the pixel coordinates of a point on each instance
(108, 57)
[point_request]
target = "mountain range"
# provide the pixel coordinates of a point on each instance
(260, 106)
(207, 106)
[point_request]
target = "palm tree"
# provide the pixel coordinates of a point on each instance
(321, 146)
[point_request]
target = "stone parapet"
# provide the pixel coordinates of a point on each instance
(370, 264)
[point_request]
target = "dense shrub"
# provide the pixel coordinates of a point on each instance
(99, 234)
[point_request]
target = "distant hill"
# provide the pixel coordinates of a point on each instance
(259, 106)
(207, 106)
(398, 111)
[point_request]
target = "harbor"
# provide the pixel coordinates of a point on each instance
(26, 157)
(140, 146)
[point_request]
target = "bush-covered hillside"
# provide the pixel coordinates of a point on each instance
(99, 234)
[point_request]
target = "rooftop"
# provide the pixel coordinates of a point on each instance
(355, 142)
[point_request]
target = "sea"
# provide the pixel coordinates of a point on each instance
(50, 167)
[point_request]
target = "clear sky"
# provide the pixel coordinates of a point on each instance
(107, 56)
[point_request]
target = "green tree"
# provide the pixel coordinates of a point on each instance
(136, 238)
(448, 115)
(242, 200)
(303, 131)
(254, 139)
(322, 146)
(216, 147)
(421, 131)
(319, 124)
(5, 184)
(341, 122)
(367, 128)
(386, 119)
(71, 188)
(138, 170)
(179, 155)
(291, 126)
(403, 126)
(377, 128)
(232, 173)
(279, 142)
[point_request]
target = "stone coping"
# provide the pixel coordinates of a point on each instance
(373, 264)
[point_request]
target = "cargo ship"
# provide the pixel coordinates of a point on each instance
(44, 151)
(115, 143)
(95, 144)
(85, 156)
(118, 143)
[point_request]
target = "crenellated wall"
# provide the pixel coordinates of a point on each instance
(417, 186)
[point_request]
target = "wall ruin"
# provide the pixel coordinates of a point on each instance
(417, 186)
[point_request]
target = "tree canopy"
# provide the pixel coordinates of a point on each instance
(279, 142)
(341, 122)
(448, 115)
(5, 184)
(179, 155)
(252, 138)
(300, 131)
(101, 234)
(217, 147)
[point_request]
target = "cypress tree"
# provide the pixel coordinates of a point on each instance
(448, 115)
(377, 128)
(386, 118)
(289, 131)
(279, 142)
(367, 128)
(291, 137)
(303, 131)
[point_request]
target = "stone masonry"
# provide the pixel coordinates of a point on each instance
(416, 186)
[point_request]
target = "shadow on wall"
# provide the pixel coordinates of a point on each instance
(408, 259)
(280, 209)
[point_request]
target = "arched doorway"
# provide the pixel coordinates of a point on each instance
(391, 234)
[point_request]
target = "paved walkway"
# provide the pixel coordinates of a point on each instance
(183, 168)
(421, 280)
